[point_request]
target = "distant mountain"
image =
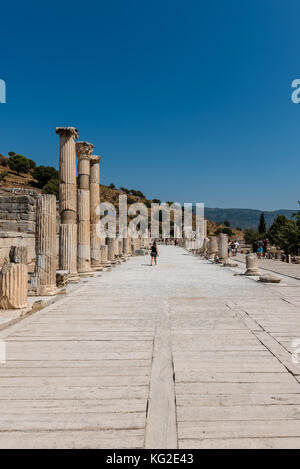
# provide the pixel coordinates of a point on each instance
(243, 217)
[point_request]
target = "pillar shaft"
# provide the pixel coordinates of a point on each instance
(95, 211)
(223, 247)
(111, 248)
(45, 267)
(84, 151)
(68, 201)
(13, 286)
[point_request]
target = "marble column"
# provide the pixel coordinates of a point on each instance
(84, 152)
(104, 254)
(111, 250)
(68, 201)
(251, 265)
(212, 247)
(223, 247)
(13, 286)
(95, 212)
(45, 266)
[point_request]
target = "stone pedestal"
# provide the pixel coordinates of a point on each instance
(18, 254)
(212, 247)
(45, 266)
(13, 286)
(95, 212)
(68, 201)
(251, 265)
(84, 152)
(223, 247)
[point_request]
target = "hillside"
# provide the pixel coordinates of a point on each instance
(9, 180)
(244, 218)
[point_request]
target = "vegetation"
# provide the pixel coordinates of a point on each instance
(285, 233)
(3, 160)
(251, 235)
(156, 201)
(112, 185)
(225, 230)
(20, 164)
(44, 174)
(123, 189)
(52, 187)
(226, 223)
(3, 175)
(137, 193)
(262, 224)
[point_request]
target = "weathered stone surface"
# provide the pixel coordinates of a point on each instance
(251, 265)
(18, 254)
(104, 253)
(95, 211)
(68, 201)
(45, 266)
(140, 252)
(13, 286)
(84, 152)
(62, 278)
(111, 248)
(223, 247)
(212, 247)
(269, 278)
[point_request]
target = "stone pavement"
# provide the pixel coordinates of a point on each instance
(284, 268)
(184, 354)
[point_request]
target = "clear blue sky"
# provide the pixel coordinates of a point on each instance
(187, 101)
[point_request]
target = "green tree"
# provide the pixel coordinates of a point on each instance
(276, 228)
(156, 201)
(225, 230)
(227, 223)
(262, 224)
(44, 174)
(112, 186)
(19, 163)
(250, 235)
(52, 187)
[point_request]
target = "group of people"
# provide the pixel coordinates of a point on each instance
(260, 247)
(233, 247)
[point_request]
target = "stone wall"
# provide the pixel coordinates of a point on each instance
(17, 214)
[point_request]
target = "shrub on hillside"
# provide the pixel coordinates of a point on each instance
(3, 175)
(3, 160)
(44, 174)
(20, 164)
(225, 230)
(52, 187)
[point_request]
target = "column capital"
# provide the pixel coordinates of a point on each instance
(95, 159)
(84, 150)
(67, 131)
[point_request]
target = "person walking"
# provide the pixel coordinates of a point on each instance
(154, 253)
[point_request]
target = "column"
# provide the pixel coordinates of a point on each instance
(212, 247)
(45, 242)
(95, 212)
(111, 250)
(223, 247)
(13, 286)
(104, 254)
(251, 265)
(84, 152)
(68, 201)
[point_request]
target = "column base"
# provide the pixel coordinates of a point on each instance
(86, 273)
(47, 291)
(73, 278)
(252, 273)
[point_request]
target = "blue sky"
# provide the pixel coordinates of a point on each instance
(187, 101)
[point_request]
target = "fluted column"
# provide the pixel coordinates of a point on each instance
(84, 152)
(104, 254)
(45, 266)
(95, 212)
(13, 286)
(68, 201)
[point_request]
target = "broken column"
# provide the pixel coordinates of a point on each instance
(84, 152)
(251, 265)
(95, 212)
(68, 201)
(45, 266)
(223, 247)
(13, 286)
(212, 247)
(111, 250)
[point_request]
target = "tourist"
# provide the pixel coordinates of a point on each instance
(260, 249)
(254, 246)
(237, 245)
(154, 253)
(265, 246)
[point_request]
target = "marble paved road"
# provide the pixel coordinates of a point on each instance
(184, 354)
